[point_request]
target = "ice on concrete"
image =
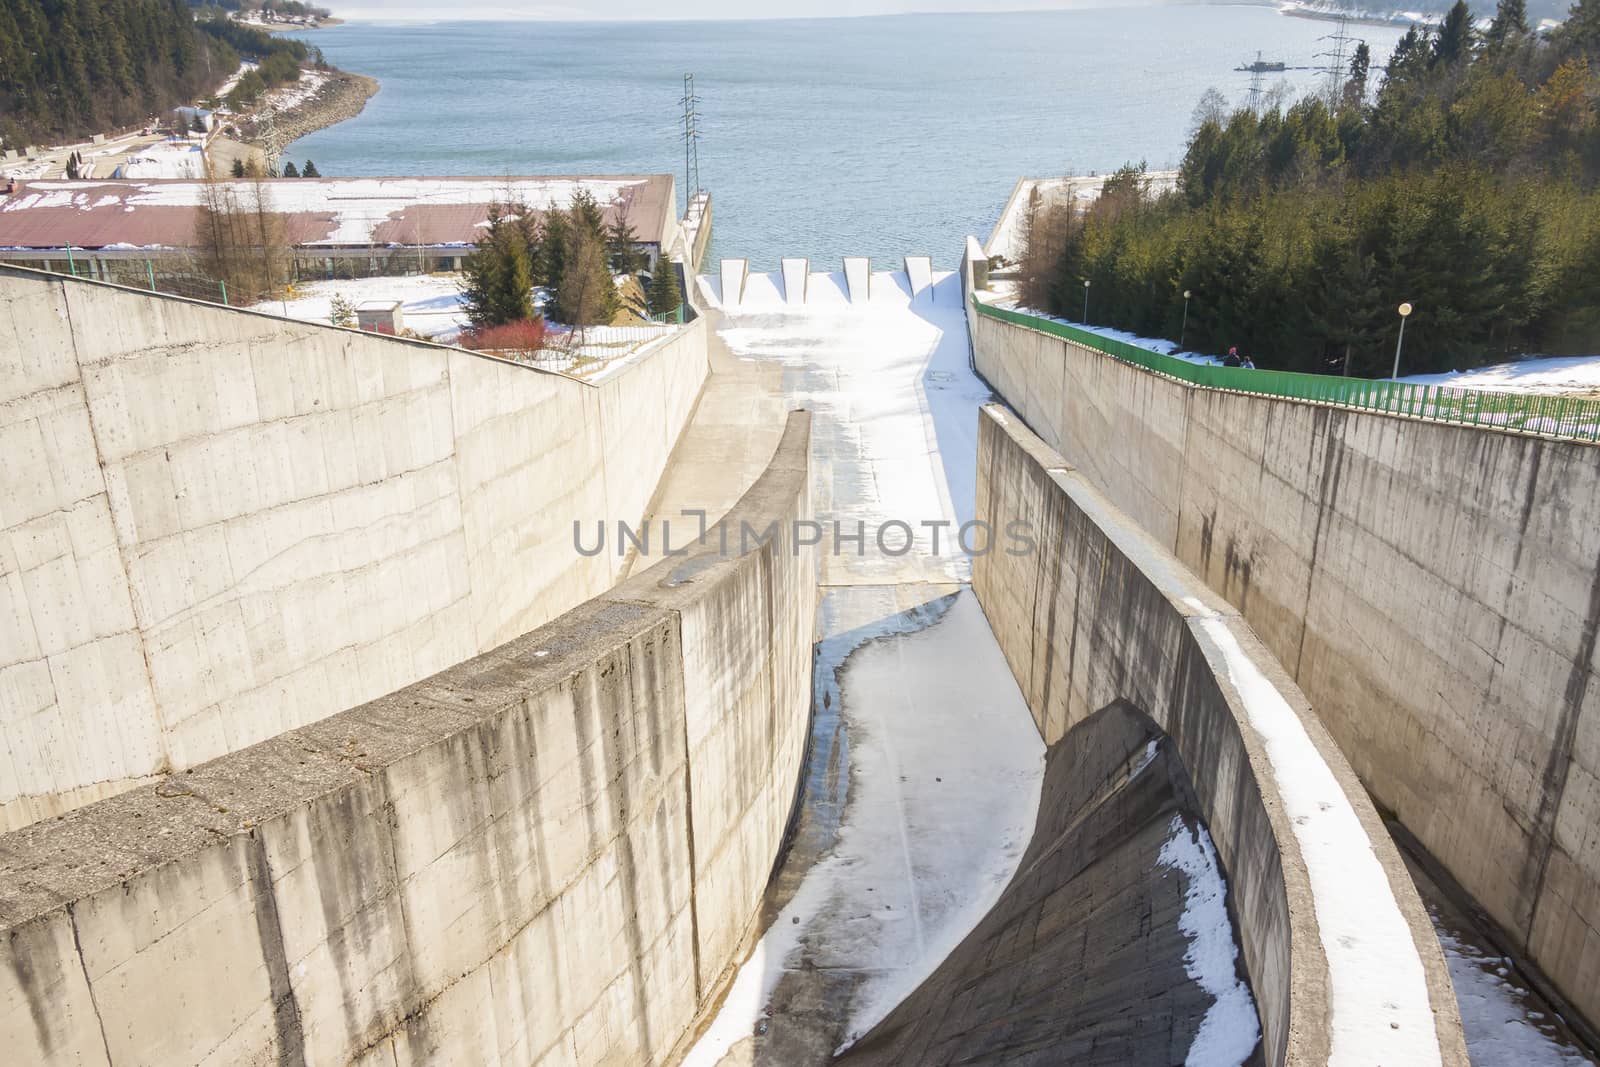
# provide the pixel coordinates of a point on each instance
(1229, 1031)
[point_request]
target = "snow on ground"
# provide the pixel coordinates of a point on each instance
(168, 159)
(944, 762)
(1502, 1029)
(430, 303)
(1377, 988)
(295, 93)
(1562, 375)
(1230, 1030)
(1554, 376)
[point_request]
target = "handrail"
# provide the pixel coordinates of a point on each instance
(1571, 417)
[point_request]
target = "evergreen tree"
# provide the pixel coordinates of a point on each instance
(587, 296)
(290, 171)
(666, 296)
(497, 279)
(1509, 26)
(310, 170)
(1580, 34)
(1355, 86)
(238, 168)
(1456, 36)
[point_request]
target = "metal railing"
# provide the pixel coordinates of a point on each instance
(1573, 417)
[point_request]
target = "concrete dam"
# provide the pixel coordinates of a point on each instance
(934, 718)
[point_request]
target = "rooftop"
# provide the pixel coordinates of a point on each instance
(320, 212)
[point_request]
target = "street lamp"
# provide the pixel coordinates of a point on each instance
(1405, 312)
(1086, 301)
(1185, 327)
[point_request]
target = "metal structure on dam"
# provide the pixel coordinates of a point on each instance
(326, 745)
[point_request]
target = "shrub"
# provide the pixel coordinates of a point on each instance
(523, 339)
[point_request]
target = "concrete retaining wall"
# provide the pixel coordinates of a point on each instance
(1098, 614)
(216, 526)
(552, 853)
(1435, 591)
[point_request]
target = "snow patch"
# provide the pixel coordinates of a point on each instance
(1229, 1031)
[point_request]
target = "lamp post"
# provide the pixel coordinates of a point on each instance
(1185, 327)
(1086, 301)
(1405, 313)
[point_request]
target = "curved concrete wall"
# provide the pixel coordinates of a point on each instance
(1434, 589)
(1099, 614)
(216, 526)
(552, 853)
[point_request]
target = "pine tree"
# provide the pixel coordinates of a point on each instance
(1580, 34)
(666, 297)
(1456, 35)
(1510, 24)
(1355, 87)
(497, 279)
(587, 296)
(310, 170)
(238, 168)
(290, 171)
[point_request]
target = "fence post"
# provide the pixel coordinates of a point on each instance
(151, 271)
(72, 266)
(224, 285)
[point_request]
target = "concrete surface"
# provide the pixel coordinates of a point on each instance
(1434, 589)
(1082, 961)
(1101, 614)
(218, 526)
(550, 853)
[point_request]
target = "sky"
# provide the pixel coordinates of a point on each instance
(573, 10)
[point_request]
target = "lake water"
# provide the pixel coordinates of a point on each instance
(821, 138)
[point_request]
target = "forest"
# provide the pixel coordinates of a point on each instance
(1462, 180)
(71, 68)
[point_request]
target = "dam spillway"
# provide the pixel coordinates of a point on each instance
(930, 697)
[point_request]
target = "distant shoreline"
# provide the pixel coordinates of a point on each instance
(1361, 18)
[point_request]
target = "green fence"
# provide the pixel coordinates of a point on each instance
(1572, 417)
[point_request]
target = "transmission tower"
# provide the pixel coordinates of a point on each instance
(271, 145)
(691, 140)
(1256, 91)
(1338, 57)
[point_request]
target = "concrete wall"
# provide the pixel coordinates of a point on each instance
(552, 853)
(216, 526)
(1099, 614)
(1435, 591)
